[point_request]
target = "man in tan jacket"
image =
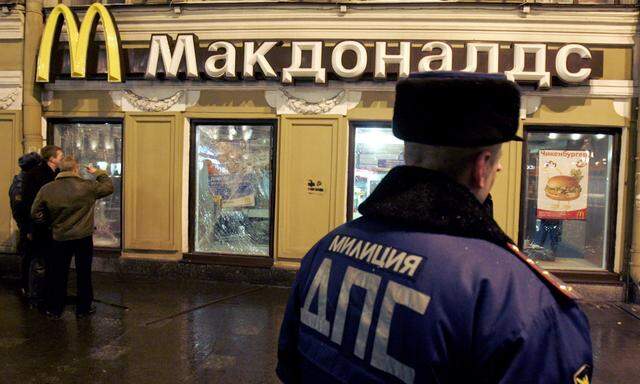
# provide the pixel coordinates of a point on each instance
(66, 205)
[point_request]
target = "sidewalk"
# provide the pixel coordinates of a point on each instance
(149, 331)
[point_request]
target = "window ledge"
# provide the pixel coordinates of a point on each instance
(231, 260)
(588, 277)
(107, 253)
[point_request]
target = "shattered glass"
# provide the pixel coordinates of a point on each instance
(99, 145)
(233, 189)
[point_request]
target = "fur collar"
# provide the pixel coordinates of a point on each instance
(431, 202)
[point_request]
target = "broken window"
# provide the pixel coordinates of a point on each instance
(233, 183)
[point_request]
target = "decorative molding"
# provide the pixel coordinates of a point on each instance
(312, 101)
(433, 22)
(152, 99)
(529, 105)
(10, 99)
(151, 104)
(608, 89)
(622, 107)
(46, 98)
(12, 26)
(305, 107)
(11, 79)
(603, 89)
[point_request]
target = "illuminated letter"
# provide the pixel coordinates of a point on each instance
(252, 57)
(446, 57)
(316, 71)
(361, 59)
(382, 59)
(185, 46)
(561, 63)
(228, 70)
(472, 56)
(540, 74)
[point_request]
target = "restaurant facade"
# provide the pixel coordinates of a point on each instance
(240, 134)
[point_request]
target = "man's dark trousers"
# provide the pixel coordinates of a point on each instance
(57, 270)
(39, 245)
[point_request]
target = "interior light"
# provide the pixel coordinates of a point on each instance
(247, 134)
(575, 136)
(600, 136)
(553, 136)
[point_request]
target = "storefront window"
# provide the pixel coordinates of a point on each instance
(375, 152)
(99, 145)
(568, 205)
(232, 191)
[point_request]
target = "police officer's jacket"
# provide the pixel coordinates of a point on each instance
(426, 288)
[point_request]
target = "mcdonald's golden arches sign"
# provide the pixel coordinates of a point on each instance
(79, 41)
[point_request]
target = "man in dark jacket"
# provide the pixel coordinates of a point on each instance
(38, 237)
(41, 174)
(425, 287)
(66, 205)
(21, 212)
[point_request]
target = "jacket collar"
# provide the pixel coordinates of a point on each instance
(66, 174)
(431, 202)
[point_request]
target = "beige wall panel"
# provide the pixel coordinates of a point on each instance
(506, 190)
(85, 101)
(222, 101)
(618, 64)
(373, 106)
(153, 170)
(310, 149)
(11, 57)
(576, 111)
(9, 152)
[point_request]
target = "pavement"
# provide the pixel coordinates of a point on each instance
(152, 331)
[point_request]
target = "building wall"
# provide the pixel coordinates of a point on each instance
(156, 159)
(11, 34)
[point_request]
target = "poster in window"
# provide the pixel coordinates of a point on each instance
(563, 177)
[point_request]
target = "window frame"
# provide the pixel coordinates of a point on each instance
(353, 126)
(611, 224)
(52, 121)
(231, 258)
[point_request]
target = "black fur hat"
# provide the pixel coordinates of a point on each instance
(456, 109)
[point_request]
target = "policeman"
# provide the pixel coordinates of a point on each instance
(425, 287)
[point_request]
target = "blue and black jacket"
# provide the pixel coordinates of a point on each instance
(426, 288)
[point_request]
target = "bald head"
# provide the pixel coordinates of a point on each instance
(475, 168)
(69, 164)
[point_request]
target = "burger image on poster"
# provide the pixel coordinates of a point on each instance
(563, 188)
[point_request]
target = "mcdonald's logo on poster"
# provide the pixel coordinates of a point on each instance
(79, 41)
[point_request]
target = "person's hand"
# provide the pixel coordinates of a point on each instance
(91, 169)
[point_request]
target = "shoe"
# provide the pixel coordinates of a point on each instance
(87, 313)
(53, 316)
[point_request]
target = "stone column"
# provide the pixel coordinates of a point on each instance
(31, 105)
(634, 265)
